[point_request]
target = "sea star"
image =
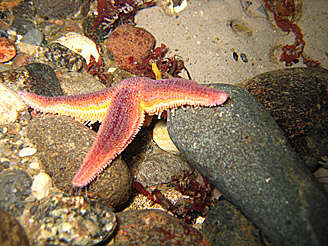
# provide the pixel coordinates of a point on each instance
(122, 110)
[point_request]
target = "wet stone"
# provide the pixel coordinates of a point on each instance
(15, 188)
(297, 99)
(130, 47)
(11, 232)
(43, 80)
(33, 37)
(24, 14)
(159, 167)
(226, 225)
(62, 144)
(154, 227)
(243, 152)
(58, 9)
(75, 83)
(63, 220)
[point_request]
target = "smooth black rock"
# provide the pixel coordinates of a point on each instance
(241, 150)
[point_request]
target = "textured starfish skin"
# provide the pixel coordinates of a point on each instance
(122, 112)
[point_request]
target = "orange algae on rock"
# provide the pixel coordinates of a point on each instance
(7, 50)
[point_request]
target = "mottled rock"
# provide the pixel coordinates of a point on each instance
(75, 83)
(58, 9)
(63, 220)
(159, 167)
(33, 37)
(62, 144)
(226, 225)
(15, 188)
(43, 80)
(130, 47)
(24, 14)
(11, 232)
(297, 99)
(154, 227)
(243, 152)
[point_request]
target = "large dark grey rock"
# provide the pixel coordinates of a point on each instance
(225, 225)
(241, 150)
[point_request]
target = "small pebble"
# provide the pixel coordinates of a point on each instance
(41, 185)
(235, 55)
(243, 57)
(10, 104)
(33, 37)
(162, 138)
(159, 167)
(27, 152)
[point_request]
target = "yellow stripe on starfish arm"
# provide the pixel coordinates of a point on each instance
(170, 93)
(88, 107)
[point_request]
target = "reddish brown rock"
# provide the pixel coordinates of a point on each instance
(130, 47)
(154, 227)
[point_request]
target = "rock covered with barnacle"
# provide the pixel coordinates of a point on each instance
(63, 220)
(130, 46)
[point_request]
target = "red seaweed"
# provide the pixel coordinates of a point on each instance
(110, 12)
(187, 185)
(284, 15)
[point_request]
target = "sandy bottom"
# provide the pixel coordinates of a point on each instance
(202, 35)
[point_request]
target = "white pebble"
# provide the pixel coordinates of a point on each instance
(162, 138)
(41, 185)
(28, 151)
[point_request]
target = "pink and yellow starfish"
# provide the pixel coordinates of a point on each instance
(122, 112)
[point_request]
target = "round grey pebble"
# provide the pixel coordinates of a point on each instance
(15, 188)
(159, 168)
(33, 37)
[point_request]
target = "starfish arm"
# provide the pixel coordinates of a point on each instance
(160, 95)
(121, 123)
(87, 107)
